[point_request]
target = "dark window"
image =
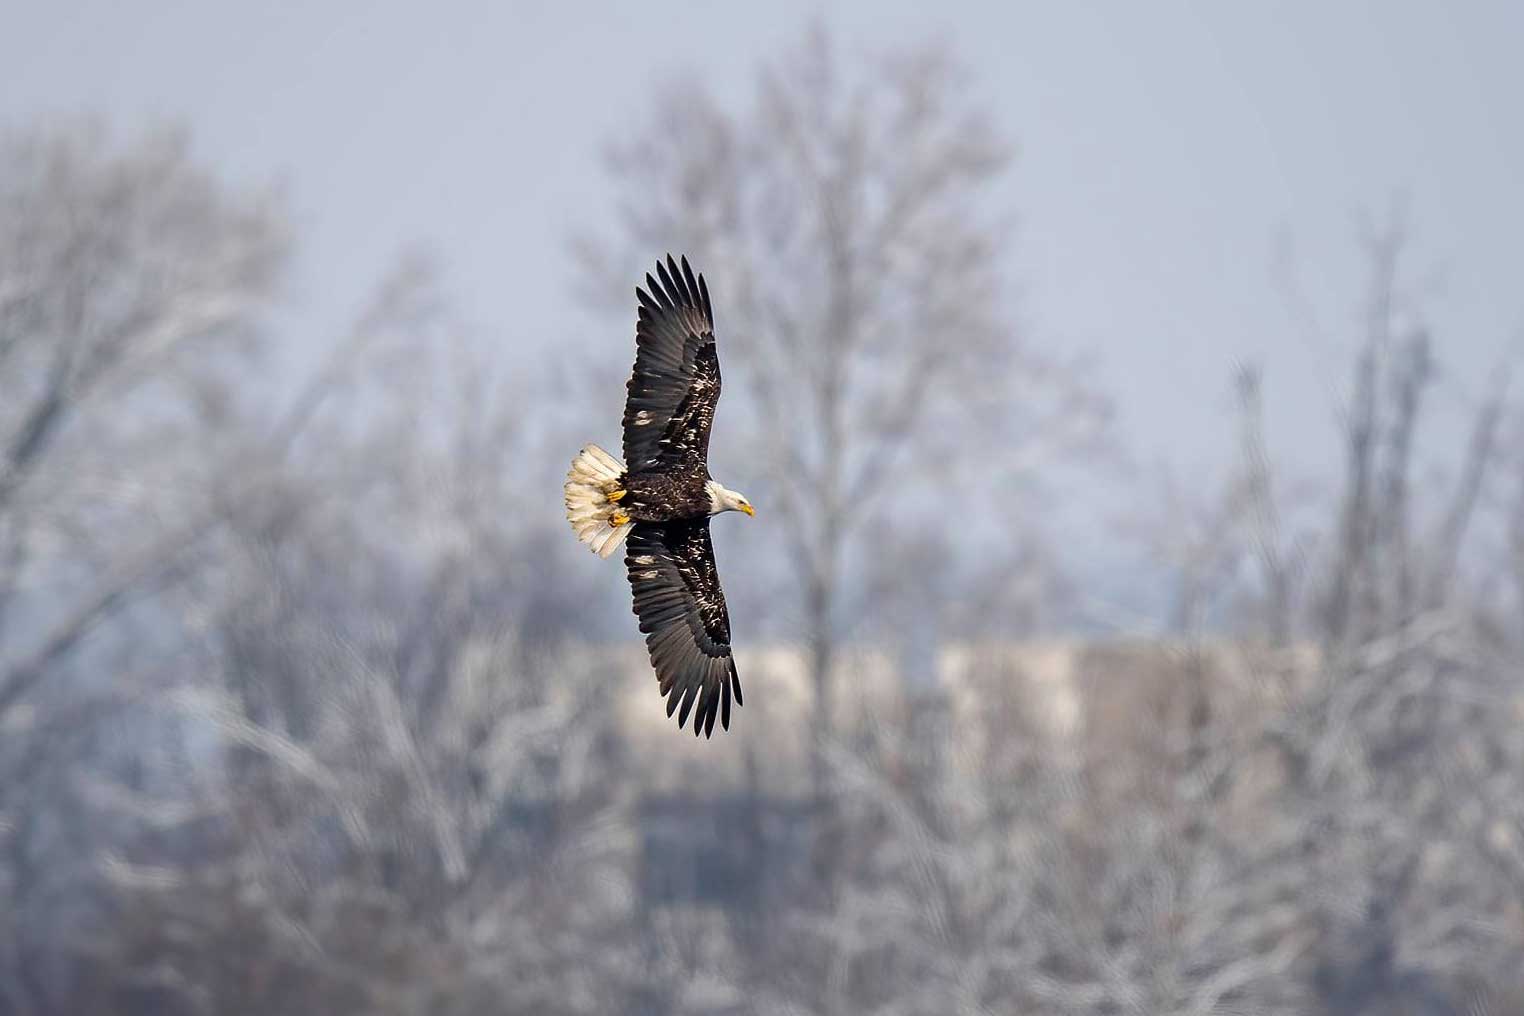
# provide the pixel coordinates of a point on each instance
(726, 851)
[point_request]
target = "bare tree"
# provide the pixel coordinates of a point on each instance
(131, 284)
(408, 777)
(124, 275)
(1381, 573)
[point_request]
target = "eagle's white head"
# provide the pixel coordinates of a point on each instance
(723, 499)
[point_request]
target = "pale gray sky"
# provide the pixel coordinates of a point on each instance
(1166, 151)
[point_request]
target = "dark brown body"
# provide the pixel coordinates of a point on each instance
(663, 495)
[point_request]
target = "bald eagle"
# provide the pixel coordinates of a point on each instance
(662, 496)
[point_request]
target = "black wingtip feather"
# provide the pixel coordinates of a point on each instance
(677, 281)
(695, 296)
(701, 718)
(658, 292)
(688, 697)
(705, 707)
(673, 296)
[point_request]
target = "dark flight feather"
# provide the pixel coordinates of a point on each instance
(683, 616)
(675, 383)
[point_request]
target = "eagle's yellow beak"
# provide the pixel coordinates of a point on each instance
(748, 509)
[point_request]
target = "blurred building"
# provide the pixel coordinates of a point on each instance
(992, 709)
(1057, 691)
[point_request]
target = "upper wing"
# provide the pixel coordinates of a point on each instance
(682, 613)
(676, 381)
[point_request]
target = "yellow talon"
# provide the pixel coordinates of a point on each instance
(616, 495)
(618, 519)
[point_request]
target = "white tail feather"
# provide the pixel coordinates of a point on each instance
(594, 475)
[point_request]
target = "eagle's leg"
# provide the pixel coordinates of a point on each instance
(615, 495)
(618, 518)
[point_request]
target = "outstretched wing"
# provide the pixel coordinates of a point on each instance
(676, 381)
(682, 613)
